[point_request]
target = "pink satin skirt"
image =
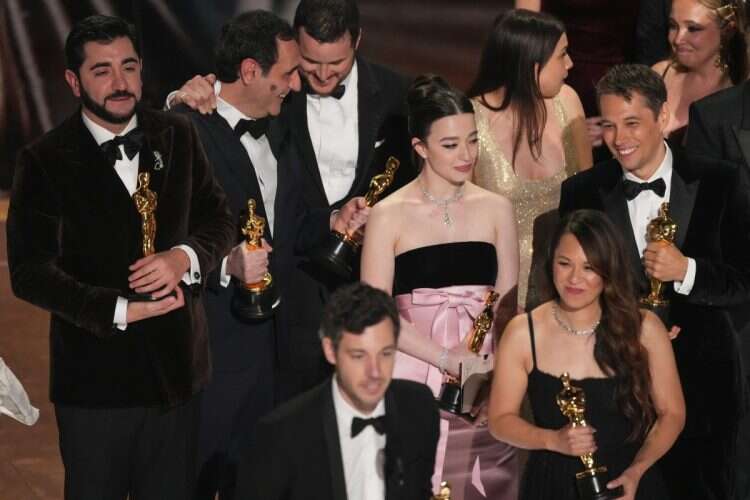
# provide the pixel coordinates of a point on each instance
(476, 465)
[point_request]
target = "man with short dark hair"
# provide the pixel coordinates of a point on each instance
(705, 270)
(360, 435)
(128, 331)
(256, 65)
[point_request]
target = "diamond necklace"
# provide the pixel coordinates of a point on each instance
(443, 203)
(569, 329)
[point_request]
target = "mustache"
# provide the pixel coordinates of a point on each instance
(118, 94)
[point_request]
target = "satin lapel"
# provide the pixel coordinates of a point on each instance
(96, 181)
(331, 434)
(616, 207)
(301, 134)
(394, 465)
(681, 203)
(369, 116)
(237, 161)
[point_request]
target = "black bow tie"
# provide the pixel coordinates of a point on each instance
(132, 142)
(633, 189)
(358, 424)
(257, 128)
(337, 93)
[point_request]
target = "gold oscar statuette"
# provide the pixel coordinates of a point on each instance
(662, 228)
(340, 249)
(451, 396)
(145, 203)
(255, 300)
(592, 480)
(444, 493)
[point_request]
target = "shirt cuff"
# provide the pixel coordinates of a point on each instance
(224, 278)
(332, 218)
(685, 286)
(170, 98)
(193, 275)
(121, 314)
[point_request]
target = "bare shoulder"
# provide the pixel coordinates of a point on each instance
(662, 66)
(570, 101)
(488, 199)
(652, 329)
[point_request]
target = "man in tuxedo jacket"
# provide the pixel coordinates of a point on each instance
(349, 118)
(359, 435)
(125, 371)
(257, 59)
(706, 270)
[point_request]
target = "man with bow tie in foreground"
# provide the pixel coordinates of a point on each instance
(256, 64)
(705, 271)
(125, 369)
(359, 435)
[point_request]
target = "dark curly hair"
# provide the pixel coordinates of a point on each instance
(354, 307)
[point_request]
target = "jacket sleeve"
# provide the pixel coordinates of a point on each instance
(701, 140)
(211, 231)
(727, 282)
(33, 231)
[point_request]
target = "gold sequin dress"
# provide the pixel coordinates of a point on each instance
(535, 201)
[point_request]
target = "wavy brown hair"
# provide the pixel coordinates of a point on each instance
(617, 349)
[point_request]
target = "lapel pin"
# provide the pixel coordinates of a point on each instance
(158, 161)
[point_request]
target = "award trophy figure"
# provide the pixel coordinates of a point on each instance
(254, 300)
(661, 229)
(444, 493)
(593, 480)
(451, 398)
(145, 204)
(340, 249)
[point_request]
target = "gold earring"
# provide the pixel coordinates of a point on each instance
(719, 61)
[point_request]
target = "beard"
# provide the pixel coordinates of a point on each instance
(101, 112)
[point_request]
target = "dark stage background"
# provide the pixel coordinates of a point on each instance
(413, 36)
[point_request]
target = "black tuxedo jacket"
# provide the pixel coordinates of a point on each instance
(382, 123)
(73, 230)
(298, 456)
(710, 202)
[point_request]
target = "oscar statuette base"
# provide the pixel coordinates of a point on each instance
(450, 399)
(337, 254)
(592, 485)
(253, 304)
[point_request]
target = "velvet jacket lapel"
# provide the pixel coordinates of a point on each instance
(301, 134)
(369, 114)
(684, 189)
(394, 456)
(331, 434)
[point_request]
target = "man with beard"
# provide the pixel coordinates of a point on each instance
(128, 330)
(348, 119)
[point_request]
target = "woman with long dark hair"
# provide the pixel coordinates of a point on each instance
(439, 244)
(532, 133)
(621, 356)
(709, 53)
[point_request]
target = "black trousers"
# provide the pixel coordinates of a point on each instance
(743, 460)
(231, 405)
(110, 453)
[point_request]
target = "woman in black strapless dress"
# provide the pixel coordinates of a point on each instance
(619, 355)
(439, 244)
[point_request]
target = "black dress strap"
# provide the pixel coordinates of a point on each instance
(531, 336)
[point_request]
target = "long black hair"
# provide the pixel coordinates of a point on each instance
(520, 44)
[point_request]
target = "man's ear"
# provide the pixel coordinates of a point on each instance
(71, 78)
(249, 70)
(329, 350)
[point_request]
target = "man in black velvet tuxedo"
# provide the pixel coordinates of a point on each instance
(359, 435)
(706, 270)
(124, 372)
(257, 59)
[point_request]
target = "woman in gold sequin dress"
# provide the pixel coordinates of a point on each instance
(532, 131)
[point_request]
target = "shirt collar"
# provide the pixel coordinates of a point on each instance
(231, 114)
(345, 412)
(664, 171)
(101, 134)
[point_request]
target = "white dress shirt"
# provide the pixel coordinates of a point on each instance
(645, 207)
(262, 159)
(127, 171)
(333, 125)
(363, 456)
